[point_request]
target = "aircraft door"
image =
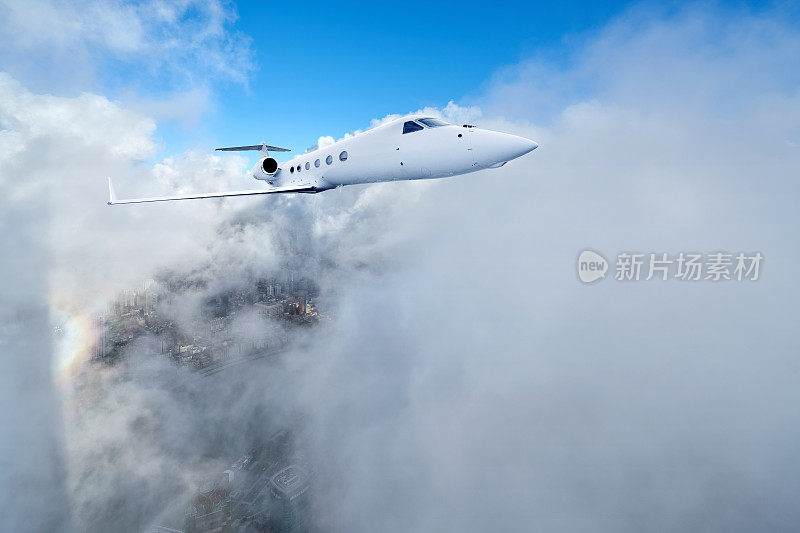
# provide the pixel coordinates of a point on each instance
(398, 165)
(412, 148)
(468, 136)
(400, 159)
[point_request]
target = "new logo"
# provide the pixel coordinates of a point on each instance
(591, 266)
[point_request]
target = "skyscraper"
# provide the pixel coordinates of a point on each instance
(290, 487)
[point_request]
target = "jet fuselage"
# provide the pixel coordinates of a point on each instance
(410, 148)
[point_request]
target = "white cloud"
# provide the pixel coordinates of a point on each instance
(56, 155)
(163, 43)
(325, 140)
(93, 119)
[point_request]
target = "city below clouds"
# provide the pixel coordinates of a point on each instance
(457, 375)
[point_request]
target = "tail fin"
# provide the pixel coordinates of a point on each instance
(260, 147)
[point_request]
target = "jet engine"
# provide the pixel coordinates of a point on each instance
(267, 170)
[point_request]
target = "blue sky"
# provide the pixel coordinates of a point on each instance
(218, 73)
(328, 68)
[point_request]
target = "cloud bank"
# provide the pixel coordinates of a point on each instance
(475, 384)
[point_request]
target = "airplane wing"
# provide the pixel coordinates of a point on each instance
(112, 196)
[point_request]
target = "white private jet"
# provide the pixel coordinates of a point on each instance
(414, 147)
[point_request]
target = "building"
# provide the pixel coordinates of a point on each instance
(102, 337)
(289, 488)
(297, 307)
(210, 509)
(270, 310)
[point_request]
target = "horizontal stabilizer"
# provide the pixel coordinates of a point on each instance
(262, 146)
(112, 197)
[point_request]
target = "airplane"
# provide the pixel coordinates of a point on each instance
(413, 147)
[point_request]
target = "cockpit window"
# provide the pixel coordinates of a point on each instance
(433, 122)
(411, 126)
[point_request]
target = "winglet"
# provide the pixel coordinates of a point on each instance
(112, 196)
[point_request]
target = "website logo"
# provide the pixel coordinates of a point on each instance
(591, 266)
(683, 266)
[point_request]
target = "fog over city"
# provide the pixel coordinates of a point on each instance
(464, 379)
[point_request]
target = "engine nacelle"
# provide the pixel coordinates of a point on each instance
(267, 170)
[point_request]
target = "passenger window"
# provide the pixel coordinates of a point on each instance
(316, 163)
(308, 165)
(329, 160)
(410, 127)
(291, 170)
(343, 156)
(299, 168)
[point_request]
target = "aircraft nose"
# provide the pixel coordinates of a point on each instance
(521, 145)
(500, 147)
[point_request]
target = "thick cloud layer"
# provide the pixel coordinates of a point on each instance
(468, 380)
(67, 256)
(32, 472)
(475, 383)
